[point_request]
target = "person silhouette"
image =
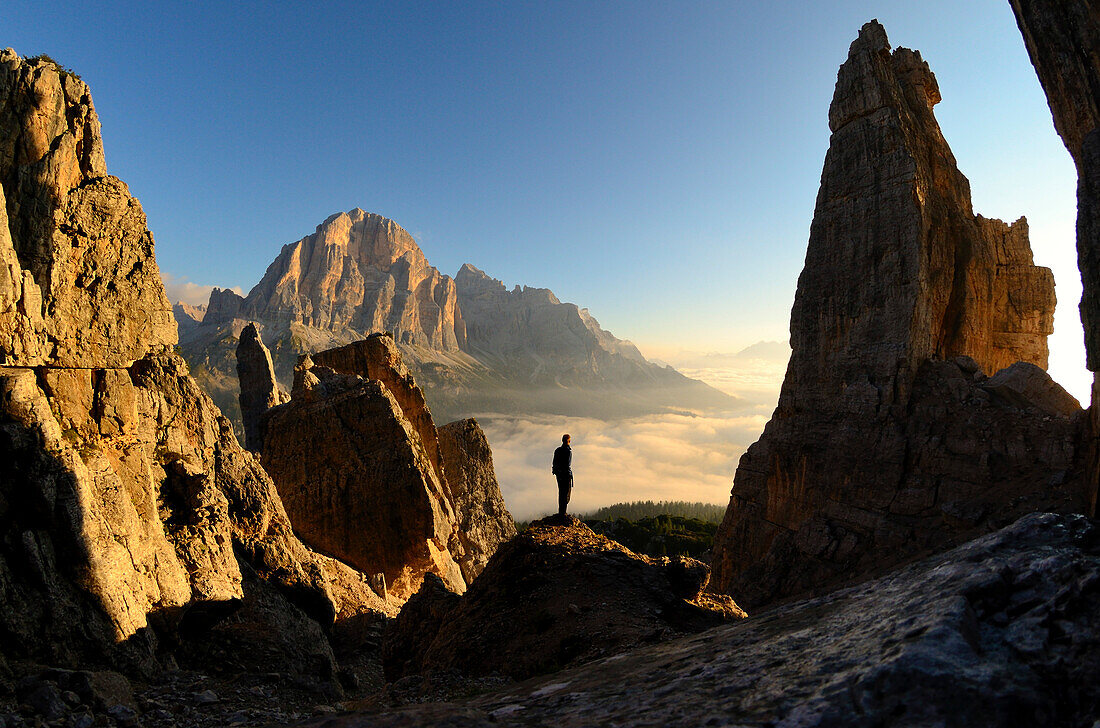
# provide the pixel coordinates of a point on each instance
(563, 469)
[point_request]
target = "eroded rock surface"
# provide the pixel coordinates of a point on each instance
(79, 286)
(556, 595)
(1063, 40)
(484, 522)
(888, 439)
(259, 389)
(1001, 631)
(133, 527)
(371, 429)
(360, 485)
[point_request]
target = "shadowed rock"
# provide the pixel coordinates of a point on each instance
(1001, 631)
(259, 390)
(484, 522)
(888, 440)
(1063, 40)
(555, 595)
(132, 524)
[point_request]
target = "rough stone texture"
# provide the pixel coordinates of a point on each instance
(1063, 40)
(361, 486)
(259, 390)
(556, 595)
(999, 632)
(133, 527)
(364, 272)
(223, 307)
(378, 358)
(885, 443)
(484, 522)
(79, 286)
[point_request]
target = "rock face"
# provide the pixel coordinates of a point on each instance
(75, 253)
(361, 487)
(133, 527)
(484, 523)
(471, 344)
(360, 271)
(888, 439)
(259, 390)
(1063, 40)
(1001, 631)
(556, 595)
(371, 484)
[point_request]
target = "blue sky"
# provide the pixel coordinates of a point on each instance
(656, 162)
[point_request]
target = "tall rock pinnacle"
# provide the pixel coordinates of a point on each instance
(259, 390)
(888, 438)
(1063, 40)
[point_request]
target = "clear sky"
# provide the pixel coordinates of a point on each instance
(656, 162)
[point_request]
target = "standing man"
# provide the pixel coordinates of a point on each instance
(563, 469)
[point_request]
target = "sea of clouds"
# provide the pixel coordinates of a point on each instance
(658, 457)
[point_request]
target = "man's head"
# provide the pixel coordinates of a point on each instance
(565, 439)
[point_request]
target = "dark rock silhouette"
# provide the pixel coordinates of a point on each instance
(965, 638)
(555, 595)
(889, 441)
(259, 390)
(1063, 40)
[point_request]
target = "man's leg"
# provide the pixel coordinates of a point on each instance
(564, 486)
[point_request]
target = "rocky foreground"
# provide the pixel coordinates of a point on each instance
(999, 632)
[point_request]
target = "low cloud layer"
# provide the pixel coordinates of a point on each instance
(662, 457)
(179, 288)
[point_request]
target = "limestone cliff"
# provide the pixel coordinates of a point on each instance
(888, 439)
(1063, 40)
(133, 528)
(363, 272)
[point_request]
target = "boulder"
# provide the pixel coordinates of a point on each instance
(484, 523)
(888, 440)
(360, 486)
(555, 595)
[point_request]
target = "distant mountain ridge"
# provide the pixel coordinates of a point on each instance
(474, 345)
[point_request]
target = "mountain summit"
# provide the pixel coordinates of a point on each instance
(474, 345)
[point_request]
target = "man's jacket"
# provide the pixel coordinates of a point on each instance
(563, 461)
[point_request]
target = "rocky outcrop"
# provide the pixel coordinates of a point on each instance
(1063, 40)
(1001, 631)
(78, 283)
(361, 486)
(447, 517)
(888, 440)
(484, 523)
(378, 358)
(556, 595)
(259, 390)
(133, 527)
(223, 307)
